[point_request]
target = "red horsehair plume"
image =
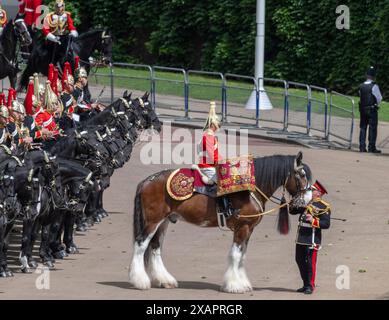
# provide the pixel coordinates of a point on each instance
(11, 96)
(28, 99)
(54, 82)
(76, 62)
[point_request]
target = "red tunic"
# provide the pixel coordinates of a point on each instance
(60, 25)
(209, 150)
(45, 120)
(28, 8)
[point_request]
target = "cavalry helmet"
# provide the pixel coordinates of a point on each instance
(212, 119)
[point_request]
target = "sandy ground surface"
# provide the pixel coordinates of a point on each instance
(197, 257)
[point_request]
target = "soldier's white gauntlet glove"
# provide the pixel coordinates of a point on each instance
(74, 33)
(53, 38)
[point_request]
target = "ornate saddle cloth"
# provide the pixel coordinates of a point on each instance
(235, 175)
(182, 183)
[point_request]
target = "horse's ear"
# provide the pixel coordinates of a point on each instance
(129, 96)
(299, 159)
(146, 96)
(125, 94)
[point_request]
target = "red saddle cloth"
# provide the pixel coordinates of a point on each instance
(236, 175)
(182, 183)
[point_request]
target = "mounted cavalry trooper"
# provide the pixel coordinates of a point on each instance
(29, 12)
(57, 27)
(4, 115)
(3, 20)
(44, 117)
(313, 218)
(11, 126)
(82, 95)
(68, 119)
(209, 156)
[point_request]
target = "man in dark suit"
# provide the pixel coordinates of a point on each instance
(370, 98)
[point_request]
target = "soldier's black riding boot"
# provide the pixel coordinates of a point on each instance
(225, 206)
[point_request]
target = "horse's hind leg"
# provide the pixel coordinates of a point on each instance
(137, 274)
(235, 278)
(160, 277)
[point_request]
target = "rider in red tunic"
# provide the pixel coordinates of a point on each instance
(28, 10)
(44, 117)
(59, 24)
(208, 149)
(209, 157)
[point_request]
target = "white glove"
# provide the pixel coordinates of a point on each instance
(53, 38)
(74, 33)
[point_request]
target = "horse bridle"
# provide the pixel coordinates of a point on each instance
(22, 33)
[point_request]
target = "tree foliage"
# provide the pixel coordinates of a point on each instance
(302, 41)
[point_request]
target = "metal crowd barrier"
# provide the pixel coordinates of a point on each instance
(187, 93)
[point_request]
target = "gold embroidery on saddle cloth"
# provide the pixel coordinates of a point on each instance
(179, 186)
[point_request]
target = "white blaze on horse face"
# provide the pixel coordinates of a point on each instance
(235, 278)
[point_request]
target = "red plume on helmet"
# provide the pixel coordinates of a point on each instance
(11, 96)
(50, 73)
(54, 82)
(28, 99)
(67, 70)
(2, 99)
(76, 62)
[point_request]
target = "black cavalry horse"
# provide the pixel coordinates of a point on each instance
(84, 46)
(13, 32)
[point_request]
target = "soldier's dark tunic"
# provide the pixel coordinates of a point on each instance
(13, 131)
(4, 136)
(83, 98)
(64, 122)
(29, 123)
(368, 109)
(309, 238)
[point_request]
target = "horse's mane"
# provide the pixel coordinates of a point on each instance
(60, 145)
(89, 33)
(271, 172)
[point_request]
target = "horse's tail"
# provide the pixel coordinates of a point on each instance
(283, 218)
(139, 219)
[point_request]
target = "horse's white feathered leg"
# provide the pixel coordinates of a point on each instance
(137, 273)
(159, 275)
(235, 278)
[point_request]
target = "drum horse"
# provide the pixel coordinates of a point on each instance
(154, 207)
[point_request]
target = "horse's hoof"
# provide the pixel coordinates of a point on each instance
(33, 264)
(26, 270)
(169, 285)
(9, 274)
(49, 264)
(72, 250)
(3, 274)
(60, 254)
(81, 228)
(97, 219)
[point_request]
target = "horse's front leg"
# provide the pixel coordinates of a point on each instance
(28, 226)
(235, 278)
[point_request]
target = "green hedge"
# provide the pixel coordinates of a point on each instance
(302, 42)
